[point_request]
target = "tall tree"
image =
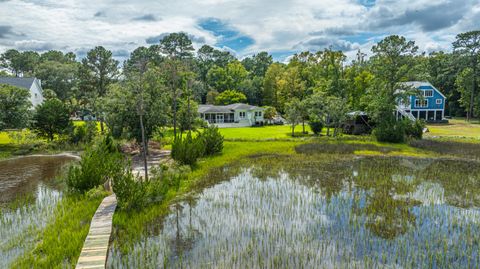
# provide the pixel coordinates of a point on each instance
(97, 72)
(467, 45)
(178, 50)
(271, 86)
(391, 62)
(14, 107)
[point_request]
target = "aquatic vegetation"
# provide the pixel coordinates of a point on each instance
(315, 211)
(21, 223)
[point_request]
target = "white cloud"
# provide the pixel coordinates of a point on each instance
(281, 25)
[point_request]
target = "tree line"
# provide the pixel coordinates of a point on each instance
(161, 85)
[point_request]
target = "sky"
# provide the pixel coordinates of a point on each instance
(244, 27)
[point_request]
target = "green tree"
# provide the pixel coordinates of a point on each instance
(464, 84)
(258, 64)
(294, 113)
(176, 46)
(51, 118)
(14, 107)
(269, 113)
(467, 45)
(230, 97)
(60, 77)
(97, 72)
(271, 85)
(392, 60)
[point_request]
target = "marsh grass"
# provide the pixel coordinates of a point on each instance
(58, 245)
(314, 211)
(453, 148)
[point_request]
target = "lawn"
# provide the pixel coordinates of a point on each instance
(4, 138)
(262, 133)
(456, 128)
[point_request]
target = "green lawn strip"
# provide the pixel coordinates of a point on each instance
(60, 243)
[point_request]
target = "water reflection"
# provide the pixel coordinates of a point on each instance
(312, 213)
(27, 201)
(21, 176)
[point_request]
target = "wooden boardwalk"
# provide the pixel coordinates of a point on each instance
(95, 248)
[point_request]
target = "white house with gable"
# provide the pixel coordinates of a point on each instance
(234, 115)
(34, 85)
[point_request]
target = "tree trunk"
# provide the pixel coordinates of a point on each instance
(101, 126)
(174, 115)
(472, 96)
(293, 130)
(144, 145)
(303, 126)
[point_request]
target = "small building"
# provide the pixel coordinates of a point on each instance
(430, 106)
(34, 85)
(234, 115)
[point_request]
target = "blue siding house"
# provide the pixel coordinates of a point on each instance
(430, 108)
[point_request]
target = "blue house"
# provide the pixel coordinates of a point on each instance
(430, 108)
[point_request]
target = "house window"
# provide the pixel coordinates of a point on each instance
(36, 95)
(428, 93)
(439, 101)
(242, 115)
(258, 114)
(421, 103)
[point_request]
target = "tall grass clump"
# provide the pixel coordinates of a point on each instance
(186, 150)
(100, 163)
(212, 140)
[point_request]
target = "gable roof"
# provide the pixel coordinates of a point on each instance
(25, 83)
(226, 109)
(418, 84)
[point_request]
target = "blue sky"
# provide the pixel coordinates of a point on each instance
(281, 27)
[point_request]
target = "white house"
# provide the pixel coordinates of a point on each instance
(234, 115)
(429, 106)
(34, 85)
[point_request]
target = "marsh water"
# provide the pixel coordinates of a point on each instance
(316, 212)
(28, 196)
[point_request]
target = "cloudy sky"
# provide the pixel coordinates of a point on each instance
(244, 27)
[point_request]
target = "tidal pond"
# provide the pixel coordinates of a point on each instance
(312, 211)
(28, 196)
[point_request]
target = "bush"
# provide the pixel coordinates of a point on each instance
(51, 118)
(212, 140)
(390, 131)
(131, 192)
(134, 193)
(187, 150)
(100, 163)
(414, 129)
(84, 133)
(316, 126)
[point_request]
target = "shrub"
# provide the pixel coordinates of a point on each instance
(187, 150)
(414, 129)
(390, 131)
(100, 163)
(134, 193)
(84, 133)
(131, 192)
(316, 126)
(212, 140)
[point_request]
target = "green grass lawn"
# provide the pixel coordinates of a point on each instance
(455, 128)
(4, 138)
(262, 133)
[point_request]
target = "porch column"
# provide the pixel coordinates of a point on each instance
(418, 114)
(426, 115)
(435, 115)
(443, 113)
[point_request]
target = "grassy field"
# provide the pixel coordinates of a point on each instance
(262, 133)
(456, 128)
